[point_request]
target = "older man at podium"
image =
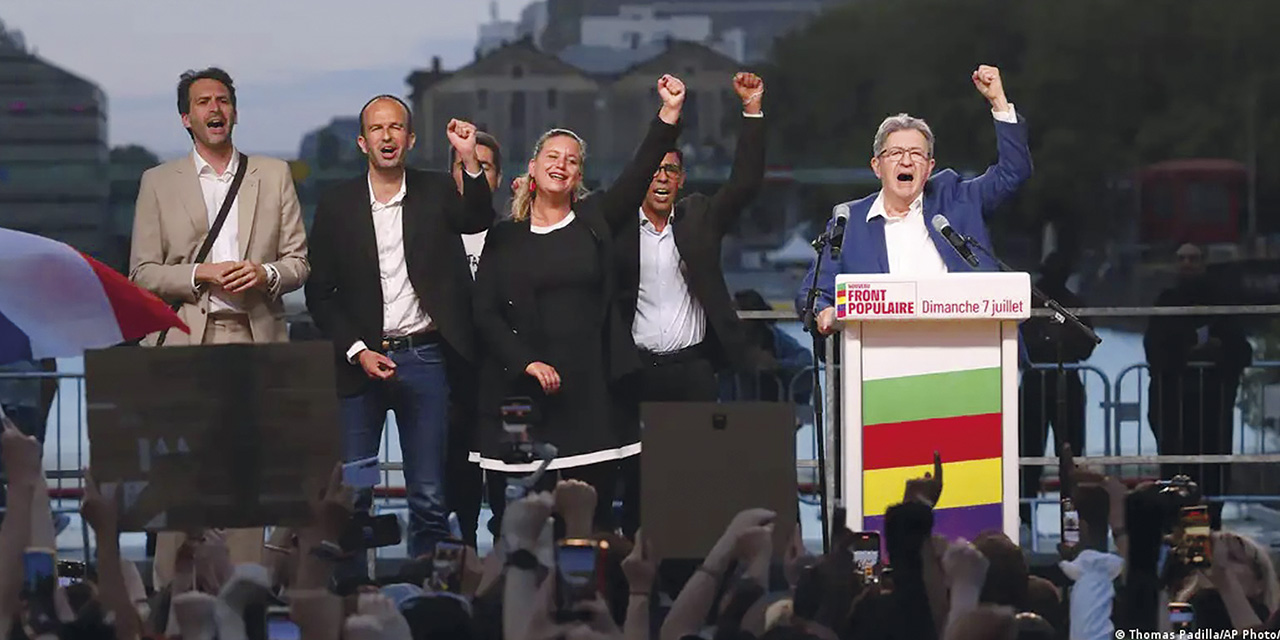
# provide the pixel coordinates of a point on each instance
(889, 232)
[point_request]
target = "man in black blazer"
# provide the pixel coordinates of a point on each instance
(391, 288)
(674, 296)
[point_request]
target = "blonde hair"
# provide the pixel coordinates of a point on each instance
(522, 198)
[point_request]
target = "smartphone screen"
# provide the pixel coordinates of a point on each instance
(40, 567)
(446, 570)
(1070, 523)
(280, 627)
(361, 474)
(368, 532)
(1195, 534)
(1182, 616)
(576, 568)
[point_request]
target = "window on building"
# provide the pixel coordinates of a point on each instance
(482, 99)
(553, 98)
(632, 39)
(517, 109)
(517, 71)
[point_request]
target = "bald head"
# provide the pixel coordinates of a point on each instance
(387, 99)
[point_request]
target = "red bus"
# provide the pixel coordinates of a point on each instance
(1196, 200)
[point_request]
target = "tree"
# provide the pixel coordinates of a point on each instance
(1106, 86)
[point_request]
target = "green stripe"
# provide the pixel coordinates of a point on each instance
(934, 395)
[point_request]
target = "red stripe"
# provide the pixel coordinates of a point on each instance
(905, 444)
(138, 311)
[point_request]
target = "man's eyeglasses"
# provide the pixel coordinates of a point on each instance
(895, 154)
(673, 170)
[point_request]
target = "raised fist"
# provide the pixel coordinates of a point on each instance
(748, 86)
(987, 80)
(462, 135)
(671, 90)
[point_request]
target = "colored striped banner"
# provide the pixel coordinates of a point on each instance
(960, 522)
(957, 439)
(934, 395)
(956, 413)
(964, 484)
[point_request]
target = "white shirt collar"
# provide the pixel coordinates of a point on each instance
(644, 219)
(204, 168)
(395, 200)
(877, 207)
(564, 222)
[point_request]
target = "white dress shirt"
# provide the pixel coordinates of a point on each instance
(402, 313)
(910, 249)
(668, 318)
(473, 245)
(226, 247)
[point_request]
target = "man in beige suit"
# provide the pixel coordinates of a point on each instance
(234, 295)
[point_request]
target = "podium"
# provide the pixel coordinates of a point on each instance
(931, 364)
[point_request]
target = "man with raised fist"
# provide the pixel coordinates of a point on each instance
(675, 299)
(391, 288)
(891, 231)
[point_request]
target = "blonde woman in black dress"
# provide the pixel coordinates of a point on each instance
(546, 311)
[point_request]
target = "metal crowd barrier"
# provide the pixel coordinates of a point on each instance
(1115, 408)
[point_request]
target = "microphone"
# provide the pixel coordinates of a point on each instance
(943, 226)
(837, 231)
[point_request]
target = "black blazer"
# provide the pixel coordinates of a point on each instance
(699, 226)
(344, 292)
(506, 309)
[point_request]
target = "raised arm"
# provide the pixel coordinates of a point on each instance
(623, 198)
(748, 160)
(473, 212)
(1013, 166)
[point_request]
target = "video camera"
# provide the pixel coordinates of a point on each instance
(518, 414)
(1184, 524)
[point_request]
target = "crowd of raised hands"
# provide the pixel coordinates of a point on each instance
(1116, 580)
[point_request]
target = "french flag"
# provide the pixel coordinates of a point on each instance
(56, 302)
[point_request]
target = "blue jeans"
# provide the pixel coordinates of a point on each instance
(418, 393)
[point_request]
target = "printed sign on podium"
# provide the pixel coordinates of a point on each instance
(931, 364)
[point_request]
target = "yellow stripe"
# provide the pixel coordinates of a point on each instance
(964, 484)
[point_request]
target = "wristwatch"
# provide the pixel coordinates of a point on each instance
(330, 551)
(522, 559)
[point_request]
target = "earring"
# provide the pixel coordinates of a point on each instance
(533, 185)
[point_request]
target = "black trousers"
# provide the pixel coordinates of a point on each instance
(691, 379)
(464, 480)
(1191, 412)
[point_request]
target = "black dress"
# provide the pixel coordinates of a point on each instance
(562, 265)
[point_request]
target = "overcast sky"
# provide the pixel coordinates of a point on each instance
(296, 63)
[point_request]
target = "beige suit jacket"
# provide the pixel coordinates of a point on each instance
(170, 223)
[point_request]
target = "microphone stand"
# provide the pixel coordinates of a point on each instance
(810, 320)
(1060, 319)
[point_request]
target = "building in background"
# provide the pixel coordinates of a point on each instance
(498, 33)
(54, 166)
(519, 91)
(749, 26)
(638, 25)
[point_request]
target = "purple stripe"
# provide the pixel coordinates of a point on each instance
(14, 344)
(957, 522)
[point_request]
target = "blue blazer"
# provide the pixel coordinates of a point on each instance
(965, 203)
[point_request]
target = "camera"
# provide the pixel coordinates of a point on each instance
(1184, 523)
(519, 448)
